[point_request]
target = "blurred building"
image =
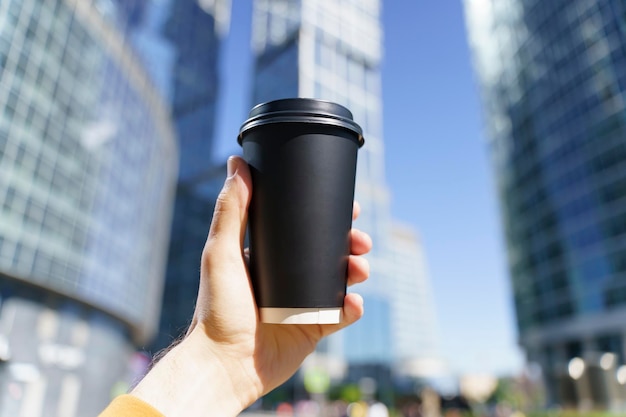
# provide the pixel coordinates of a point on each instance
(553, 79)
(416, 344)
(196, 30)
(88, 163)
(333, 51)
(180, 43)
(143, 24)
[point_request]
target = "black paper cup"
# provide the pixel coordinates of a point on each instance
(302, 155)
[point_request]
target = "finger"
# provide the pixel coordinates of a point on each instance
(352, 311)
(222, 254)
(360, 242)
(358, 269)
(229, 219)
(223, 270)
(356, 210)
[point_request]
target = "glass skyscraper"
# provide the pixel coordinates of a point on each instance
(332, 51)
(196, 30)
(88, 162)
(553, 78)
(416, 347)
(183, 40)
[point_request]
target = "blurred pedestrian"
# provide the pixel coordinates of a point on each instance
(377, 410)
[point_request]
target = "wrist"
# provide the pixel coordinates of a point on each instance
(193, 379)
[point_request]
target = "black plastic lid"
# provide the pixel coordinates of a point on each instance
(301, 110)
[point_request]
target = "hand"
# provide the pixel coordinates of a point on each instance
(228, 358)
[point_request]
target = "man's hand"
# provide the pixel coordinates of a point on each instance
(228, 358)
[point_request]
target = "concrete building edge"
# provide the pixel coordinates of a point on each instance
(134, 330)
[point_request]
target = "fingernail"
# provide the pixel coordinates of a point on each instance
(231, 167)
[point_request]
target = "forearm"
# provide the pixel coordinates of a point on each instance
(191, 380)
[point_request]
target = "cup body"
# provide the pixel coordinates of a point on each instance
(303, 166)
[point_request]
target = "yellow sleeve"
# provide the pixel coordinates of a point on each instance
(129, 406)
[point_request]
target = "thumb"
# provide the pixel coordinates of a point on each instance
(222, 257)
(228, 226)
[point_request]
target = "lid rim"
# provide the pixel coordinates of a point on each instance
(301, 110)
(301, 104)
(343, 124)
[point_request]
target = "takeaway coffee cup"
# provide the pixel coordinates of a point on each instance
(302, 155)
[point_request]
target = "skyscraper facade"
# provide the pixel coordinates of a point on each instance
(553, 78)
(333, 51)
(190, 34)
(88, 162)
(416, 345)
(196, 30)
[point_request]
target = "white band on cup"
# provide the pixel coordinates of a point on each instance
(279, 315)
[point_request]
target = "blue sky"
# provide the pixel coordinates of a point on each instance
(437, 169)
